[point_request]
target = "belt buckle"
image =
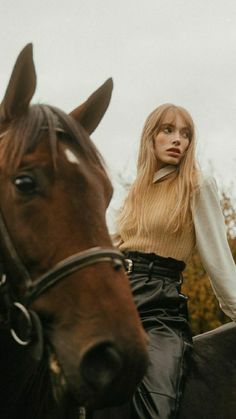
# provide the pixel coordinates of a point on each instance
(128, 265)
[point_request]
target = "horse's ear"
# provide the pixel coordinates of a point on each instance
(21, 86)
(90, 113)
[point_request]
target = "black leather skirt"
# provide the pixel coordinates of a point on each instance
(156, 286)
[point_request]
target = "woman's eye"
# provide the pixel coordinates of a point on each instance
(186, 135)
(167, 130)
(25, 184)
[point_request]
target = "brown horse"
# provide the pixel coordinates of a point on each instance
(211, 383)
(70, 334)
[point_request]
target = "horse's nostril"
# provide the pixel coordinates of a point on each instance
(101, 365)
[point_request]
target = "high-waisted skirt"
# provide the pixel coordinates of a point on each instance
(156, 286)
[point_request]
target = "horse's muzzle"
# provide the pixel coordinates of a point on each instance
(107, 375)
(101, 365)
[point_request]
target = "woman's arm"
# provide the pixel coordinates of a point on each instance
(212, 244)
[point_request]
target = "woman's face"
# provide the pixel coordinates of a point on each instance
(172, 141)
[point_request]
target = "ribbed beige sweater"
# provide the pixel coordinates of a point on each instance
(207, 225)
(157, 238)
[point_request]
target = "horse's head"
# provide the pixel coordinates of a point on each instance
(57, 254)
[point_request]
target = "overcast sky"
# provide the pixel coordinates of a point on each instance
(180, 51)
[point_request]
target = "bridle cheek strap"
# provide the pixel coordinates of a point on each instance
(6, 240)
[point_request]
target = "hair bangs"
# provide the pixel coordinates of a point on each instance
(173, 111)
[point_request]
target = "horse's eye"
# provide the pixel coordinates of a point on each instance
(25, 184)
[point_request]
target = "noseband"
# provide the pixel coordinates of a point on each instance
(35, 288)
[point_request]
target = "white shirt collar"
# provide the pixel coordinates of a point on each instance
(163, 172)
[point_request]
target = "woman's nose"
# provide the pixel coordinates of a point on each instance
(176, 139)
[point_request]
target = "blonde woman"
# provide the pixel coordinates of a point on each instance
(171, 208)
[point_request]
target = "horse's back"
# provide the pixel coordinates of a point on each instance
(211, 382)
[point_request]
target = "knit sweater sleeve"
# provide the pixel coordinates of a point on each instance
(212, 244)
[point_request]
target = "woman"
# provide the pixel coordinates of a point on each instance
(171, 208)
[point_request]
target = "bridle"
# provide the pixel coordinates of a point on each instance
(35, 288)
(16, 308)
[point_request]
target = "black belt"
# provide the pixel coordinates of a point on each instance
(145, 258)
(150, 268)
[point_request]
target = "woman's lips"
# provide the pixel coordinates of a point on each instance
(175, 151)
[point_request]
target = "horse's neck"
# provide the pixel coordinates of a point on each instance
(23, 382)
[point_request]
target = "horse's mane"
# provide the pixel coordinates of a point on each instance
(25, 132)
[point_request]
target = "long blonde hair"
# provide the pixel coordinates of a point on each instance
(131, 215)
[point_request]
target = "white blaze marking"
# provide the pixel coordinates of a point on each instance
(71, 157)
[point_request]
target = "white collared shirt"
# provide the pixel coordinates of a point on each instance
(167, 170)
(211, 240)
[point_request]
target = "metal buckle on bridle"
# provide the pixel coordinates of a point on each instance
(16, 322)
(128, 265)
(3, 280)
(26, 329)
